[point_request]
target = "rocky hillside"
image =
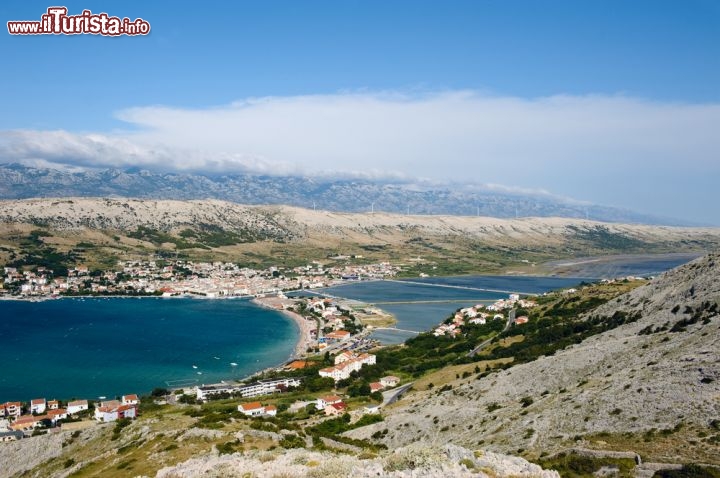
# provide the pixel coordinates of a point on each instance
(651, 386)
(98, 231)
(290, 222)
(337, 194)
(90, 453)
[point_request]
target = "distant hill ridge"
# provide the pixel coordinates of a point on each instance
(284, 222)
(342, 195)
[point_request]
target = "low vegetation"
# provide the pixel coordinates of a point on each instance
(571, 465)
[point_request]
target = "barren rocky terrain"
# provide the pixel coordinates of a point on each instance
(127, 214)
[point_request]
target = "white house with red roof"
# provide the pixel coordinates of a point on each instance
(343, 357)
(347, 364)
(57, 414)
(130, 399)
(38, 406)
(10, 409)
(112, 410)
(338, 335)
(335, 409)
(257, 409)
(27, 422)
(323, 402)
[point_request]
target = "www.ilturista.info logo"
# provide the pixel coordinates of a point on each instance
(57, 22)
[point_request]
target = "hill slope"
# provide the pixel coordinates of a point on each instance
(651, 386)
(252, 233)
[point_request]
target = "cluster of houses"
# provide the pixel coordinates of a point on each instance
(333, 317)
(346, 363)
(332, 405)
(47, 413)
(480, 314)
(40, 412)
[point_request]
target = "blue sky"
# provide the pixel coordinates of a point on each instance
(612, 102)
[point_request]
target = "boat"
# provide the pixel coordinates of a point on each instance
(102, 397)
(194, 366)
(233, 364)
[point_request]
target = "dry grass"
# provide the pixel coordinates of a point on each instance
(450, 374)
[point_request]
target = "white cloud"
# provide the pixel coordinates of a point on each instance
(550, 142)
(429, 135)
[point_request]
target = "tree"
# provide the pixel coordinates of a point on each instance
(159, 392)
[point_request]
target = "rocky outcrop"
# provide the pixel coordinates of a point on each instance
(413, 461)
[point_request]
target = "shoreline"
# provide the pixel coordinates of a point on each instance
(277, 304)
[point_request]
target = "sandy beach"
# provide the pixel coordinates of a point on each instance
(304, 325)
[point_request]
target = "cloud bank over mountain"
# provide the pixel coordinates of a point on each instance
(612, 149)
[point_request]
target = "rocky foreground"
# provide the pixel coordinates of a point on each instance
(413, 461)
(25, 458)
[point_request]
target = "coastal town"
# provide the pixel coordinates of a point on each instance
(181, 279)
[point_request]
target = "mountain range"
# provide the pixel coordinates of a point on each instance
(19, 181)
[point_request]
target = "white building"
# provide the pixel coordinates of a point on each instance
(113, 410)
(38, 406)
(77, 406)
(256, 409)
(323, 402)
(389, 381)
(347, 366)
(263, 387)
(130, 399)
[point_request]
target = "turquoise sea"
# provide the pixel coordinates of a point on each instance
(87, 348)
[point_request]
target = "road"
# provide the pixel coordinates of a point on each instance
(508, 324)
(392, 396)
